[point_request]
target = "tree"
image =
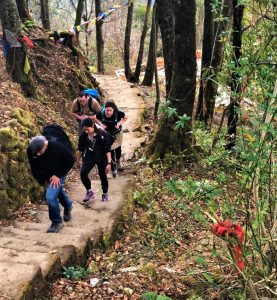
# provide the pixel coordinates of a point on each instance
(207, 49)
(235, 82)
(149, 71)
(16, 57)
(99, 39)
(142, 39)
(169, 138)
(211, 68)
(44, 14)
(23, 10)
(128, 72)
(165, 21)
(79, 12)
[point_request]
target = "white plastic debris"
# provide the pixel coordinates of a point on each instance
(94, 281)
(129, 269)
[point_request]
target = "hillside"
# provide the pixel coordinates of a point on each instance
(57, 82)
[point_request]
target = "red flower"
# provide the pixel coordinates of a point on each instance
(226, 229)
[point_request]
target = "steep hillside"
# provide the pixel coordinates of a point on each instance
(57, 81)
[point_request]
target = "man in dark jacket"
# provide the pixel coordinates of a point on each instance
(94, 147)
(50, 162)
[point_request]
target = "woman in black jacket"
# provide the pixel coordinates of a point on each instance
(111, 119)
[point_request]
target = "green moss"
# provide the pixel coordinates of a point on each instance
(148, 269)
(24, 117)
(4, 201)
(8, 139)
(12, 194)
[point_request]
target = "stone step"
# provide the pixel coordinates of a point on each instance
(12, 273)
(36, 259)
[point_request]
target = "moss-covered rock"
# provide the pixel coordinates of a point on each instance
(8, 140)
(4, 204)
(24, 117)
(148, 269)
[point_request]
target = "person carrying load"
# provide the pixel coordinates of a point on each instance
(84, 107)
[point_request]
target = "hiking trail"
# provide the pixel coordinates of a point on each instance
(29, 257)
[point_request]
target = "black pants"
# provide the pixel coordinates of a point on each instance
(87, 167)
(116, 155)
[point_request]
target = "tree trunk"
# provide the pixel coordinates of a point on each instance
(168, 139)
(142, 39)
(207, 48)
(128, 72)
(99, 39)
(44, 14)
(235, 83)
(78, 18)
(150, 67)
(209, 81)
(16, 57)
(199, 23)
(166, 23)
(158, 95)
(23, 10)
(79, 12)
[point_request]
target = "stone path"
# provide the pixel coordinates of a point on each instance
(29, 257)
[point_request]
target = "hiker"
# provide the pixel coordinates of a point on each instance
(111, 119)
(94, 149)
(84, 107)
(50, 162)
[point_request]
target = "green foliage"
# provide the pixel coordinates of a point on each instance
(139, 14)
(153, 296)
(181, 123)
(75, 273)
(168, 111)
(29, 23)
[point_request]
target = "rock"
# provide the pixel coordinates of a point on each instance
(110, 291)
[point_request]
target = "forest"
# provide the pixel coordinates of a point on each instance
(201, 221)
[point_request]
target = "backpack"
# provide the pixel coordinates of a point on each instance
(54, 132)
(93, 93)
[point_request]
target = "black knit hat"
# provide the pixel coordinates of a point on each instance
(37, 143)
(87, 122)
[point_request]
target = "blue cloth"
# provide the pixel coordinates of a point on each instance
(54, 196)
(92, 92)
(6, 47)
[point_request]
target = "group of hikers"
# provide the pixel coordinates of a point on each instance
(100, 138)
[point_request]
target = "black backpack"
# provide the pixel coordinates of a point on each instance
(54, 132)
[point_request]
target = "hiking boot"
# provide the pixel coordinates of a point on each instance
(55, 227)
(114, 173)
(89, 196)
(67, 214)
(118, 165)
(104, 197)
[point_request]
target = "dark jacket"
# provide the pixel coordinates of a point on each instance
(56, 160)
(95, 150)
(112, 121)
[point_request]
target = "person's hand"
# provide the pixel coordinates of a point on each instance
(55, 181)
(103, 126)
(83, 117)
(117, 125)
(108, 168)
